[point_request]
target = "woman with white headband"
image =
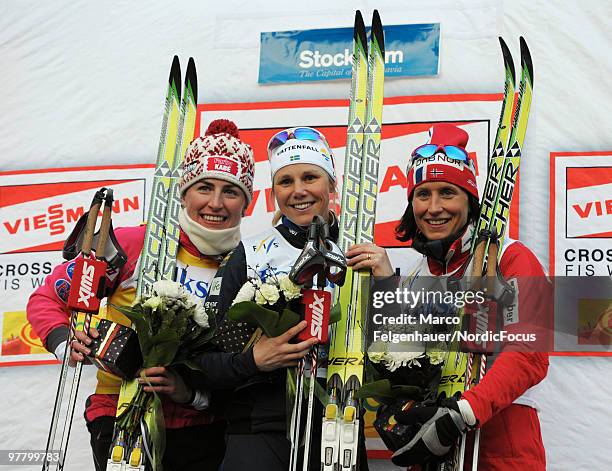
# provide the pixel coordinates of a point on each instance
(303, 177)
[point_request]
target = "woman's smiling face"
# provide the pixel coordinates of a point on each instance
(302, 191)
(440, 209)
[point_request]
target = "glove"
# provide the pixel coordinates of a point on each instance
(440, 427)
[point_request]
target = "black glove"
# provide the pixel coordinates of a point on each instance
(440, 427)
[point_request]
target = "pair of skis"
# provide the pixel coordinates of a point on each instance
(88, 272)
(491, 227)
(158, 257)
(342, 416)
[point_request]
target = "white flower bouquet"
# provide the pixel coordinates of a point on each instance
(402, 370)
(269, 303)
(172, 328)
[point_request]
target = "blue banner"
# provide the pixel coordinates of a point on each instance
(326, 54)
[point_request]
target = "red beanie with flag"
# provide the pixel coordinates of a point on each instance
(432, 162)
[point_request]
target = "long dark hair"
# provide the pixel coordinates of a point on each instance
(407, 229)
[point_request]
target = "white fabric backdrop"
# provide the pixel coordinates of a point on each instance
(83, 82)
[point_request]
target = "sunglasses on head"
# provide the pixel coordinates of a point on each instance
(429, 150)
(306, 134)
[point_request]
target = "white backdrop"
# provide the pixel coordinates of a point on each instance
(83, 83)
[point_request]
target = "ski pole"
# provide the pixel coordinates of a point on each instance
(88, 301)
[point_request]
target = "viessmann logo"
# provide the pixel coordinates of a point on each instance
(589, 202)
(54, 218)
(40, 216)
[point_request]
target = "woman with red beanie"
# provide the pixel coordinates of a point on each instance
(442, 210)
(216, 187)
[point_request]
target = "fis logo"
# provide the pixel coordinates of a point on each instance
(266, 245)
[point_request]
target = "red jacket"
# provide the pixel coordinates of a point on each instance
(504, 400)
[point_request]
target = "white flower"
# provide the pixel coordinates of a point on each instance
(199, 316)
(270, 293)
(289, 288)
(437, 355)
(395, 360)
(377, 351)
(169, 289)
(246, 293)
(259, 298)
(153, 302)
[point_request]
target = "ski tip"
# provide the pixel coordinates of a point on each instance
(508, 61)
(191, 79)
(359, 31)
(175, 75)
(526, 62)
(358, 18)
(377, 31)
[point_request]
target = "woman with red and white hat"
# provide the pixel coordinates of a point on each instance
(439, 219)
(216, 187)
(303, 178)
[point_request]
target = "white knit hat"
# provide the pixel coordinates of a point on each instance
(219, 154)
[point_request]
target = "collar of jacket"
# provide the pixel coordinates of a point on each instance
(452, 254)
(298, 235)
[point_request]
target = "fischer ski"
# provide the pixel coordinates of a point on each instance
(470, 367)
(129, 449)
(341, 420)
(89, 273)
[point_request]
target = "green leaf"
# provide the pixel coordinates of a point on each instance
(288, 319)
(157, 432)
(140, 324)
(162, 349)
(253, 313)
(380, 388)
(271, 323)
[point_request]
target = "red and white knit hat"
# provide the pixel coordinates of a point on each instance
(440, 167)
(219, 154)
